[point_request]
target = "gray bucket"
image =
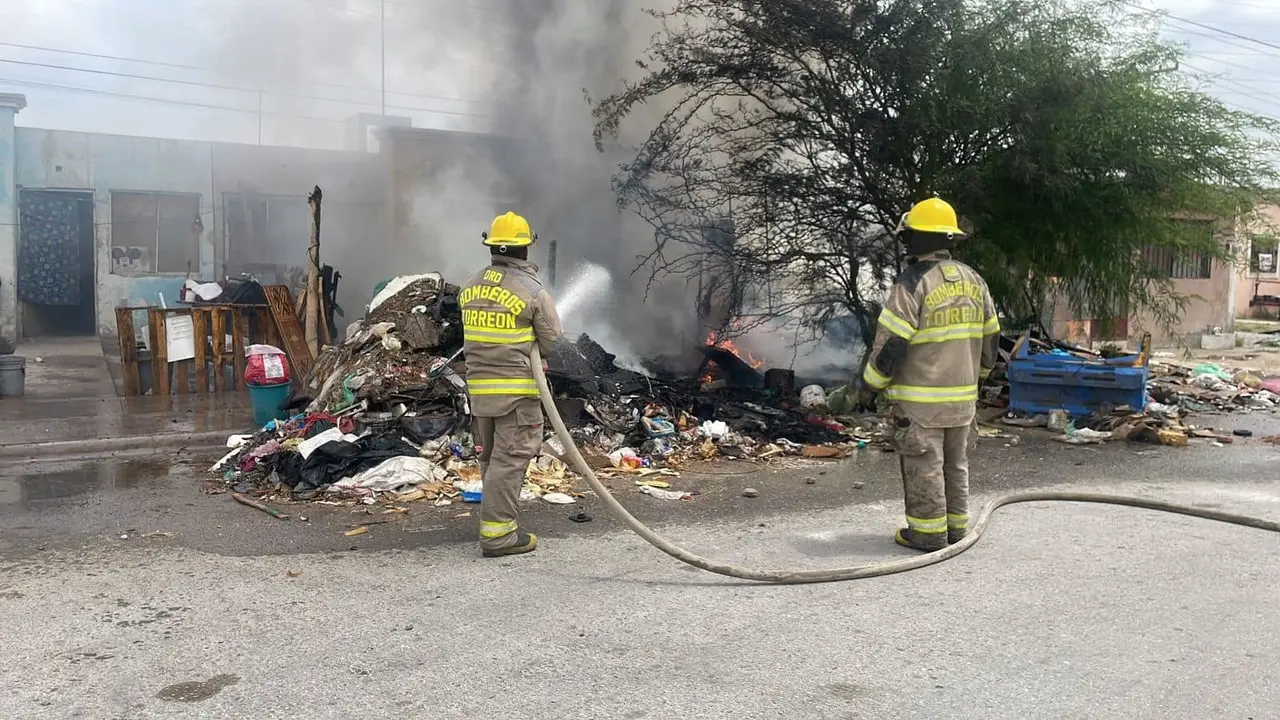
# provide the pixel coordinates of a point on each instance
(144, 371)
(13, 375)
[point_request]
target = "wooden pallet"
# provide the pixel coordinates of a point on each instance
(208, 369)
(293, 338)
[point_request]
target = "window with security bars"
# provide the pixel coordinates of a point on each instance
(1262, 253)
(1185, 265)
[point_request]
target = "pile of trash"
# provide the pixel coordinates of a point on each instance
(1208, 387)
(1156, 425)
(636, 419)
(396, 363)
(1175, 392)
(386, 417)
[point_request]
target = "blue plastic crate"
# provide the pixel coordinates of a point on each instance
(1039, 383)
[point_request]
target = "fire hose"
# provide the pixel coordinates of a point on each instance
(890, 567)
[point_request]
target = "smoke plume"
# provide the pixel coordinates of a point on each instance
(521, 70)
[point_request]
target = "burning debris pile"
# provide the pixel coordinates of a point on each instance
(389, 416)
(627, 419)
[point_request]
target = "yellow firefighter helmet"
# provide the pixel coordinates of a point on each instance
(934, 215)
(509, 230)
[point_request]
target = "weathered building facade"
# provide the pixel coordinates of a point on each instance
(90, 222)
(1208, 286)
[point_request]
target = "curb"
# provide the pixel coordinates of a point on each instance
(159, 444)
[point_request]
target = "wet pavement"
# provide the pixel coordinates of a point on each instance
(46, 505)
(71, 409)
(58, 419)
(105, 427)
(1062, 611)
(66, 367)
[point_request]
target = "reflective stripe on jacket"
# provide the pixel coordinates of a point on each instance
(505, 310)
(947, 334)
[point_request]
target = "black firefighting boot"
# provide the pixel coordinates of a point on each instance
(955, 536)
(925, 542)
(525, 543)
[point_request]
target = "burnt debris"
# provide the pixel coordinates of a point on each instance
(389, 408)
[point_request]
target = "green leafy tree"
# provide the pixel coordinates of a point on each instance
(1062, 132)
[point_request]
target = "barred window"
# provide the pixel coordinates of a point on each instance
(1189, 265)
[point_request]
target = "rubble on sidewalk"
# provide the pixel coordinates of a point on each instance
(388, 419)
(1208, 387)
(1173, 393)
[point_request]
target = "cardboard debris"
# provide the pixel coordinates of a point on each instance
(822, 451)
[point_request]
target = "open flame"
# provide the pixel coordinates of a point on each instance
(714, 340)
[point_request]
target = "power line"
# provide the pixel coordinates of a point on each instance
(162, 101)
(1247, 91)
(233, 88)
(100, 56)
(140, 61)
(1252, 50)
(1246, 38)
(1214, 59)
(1241, 108)
(200, 68)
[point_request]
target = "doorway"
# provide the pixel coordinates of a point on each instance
(56, 279)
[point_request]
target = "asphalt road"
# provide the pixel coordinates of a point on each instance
(1062, 611)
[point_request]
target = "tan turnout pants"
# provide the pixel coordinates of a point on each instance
(935, 477)
(507, 443)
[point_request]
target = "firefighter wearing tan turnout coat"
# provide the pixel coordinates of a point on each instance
(505, 310)
(936, 338)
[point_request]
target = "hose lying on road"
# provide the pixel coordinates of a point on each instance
(796, 577)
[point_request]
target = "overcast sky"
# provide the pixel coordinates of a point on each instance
(289, 71)
(299, 66)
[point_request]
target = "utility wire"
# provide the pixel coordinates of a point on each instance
(1214, 59)
(1220, 31)
(1250, 49)
(101, 56)
(1252, 111)
(159, 63)
(218, 86)
(163, 101)
(1250, 92)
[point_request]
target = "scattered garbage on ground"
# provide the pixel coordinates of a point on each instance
(1088, 397)
(385, 417)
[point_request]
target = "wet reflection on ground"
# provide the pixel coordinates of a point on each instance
(50, 483)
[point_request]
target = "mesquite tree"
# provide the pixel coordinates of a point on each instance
(1063, 133)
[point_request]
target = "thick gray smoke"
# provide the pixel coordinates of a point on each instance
(515, 68)
(567, 49)
(545, 58)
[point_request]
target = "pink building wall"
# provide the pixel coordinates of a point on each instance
(1211, 304)
(1250, 283)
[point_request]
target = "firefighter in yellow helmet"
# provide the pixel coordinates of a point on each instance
(936, 338)
(505, 310)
